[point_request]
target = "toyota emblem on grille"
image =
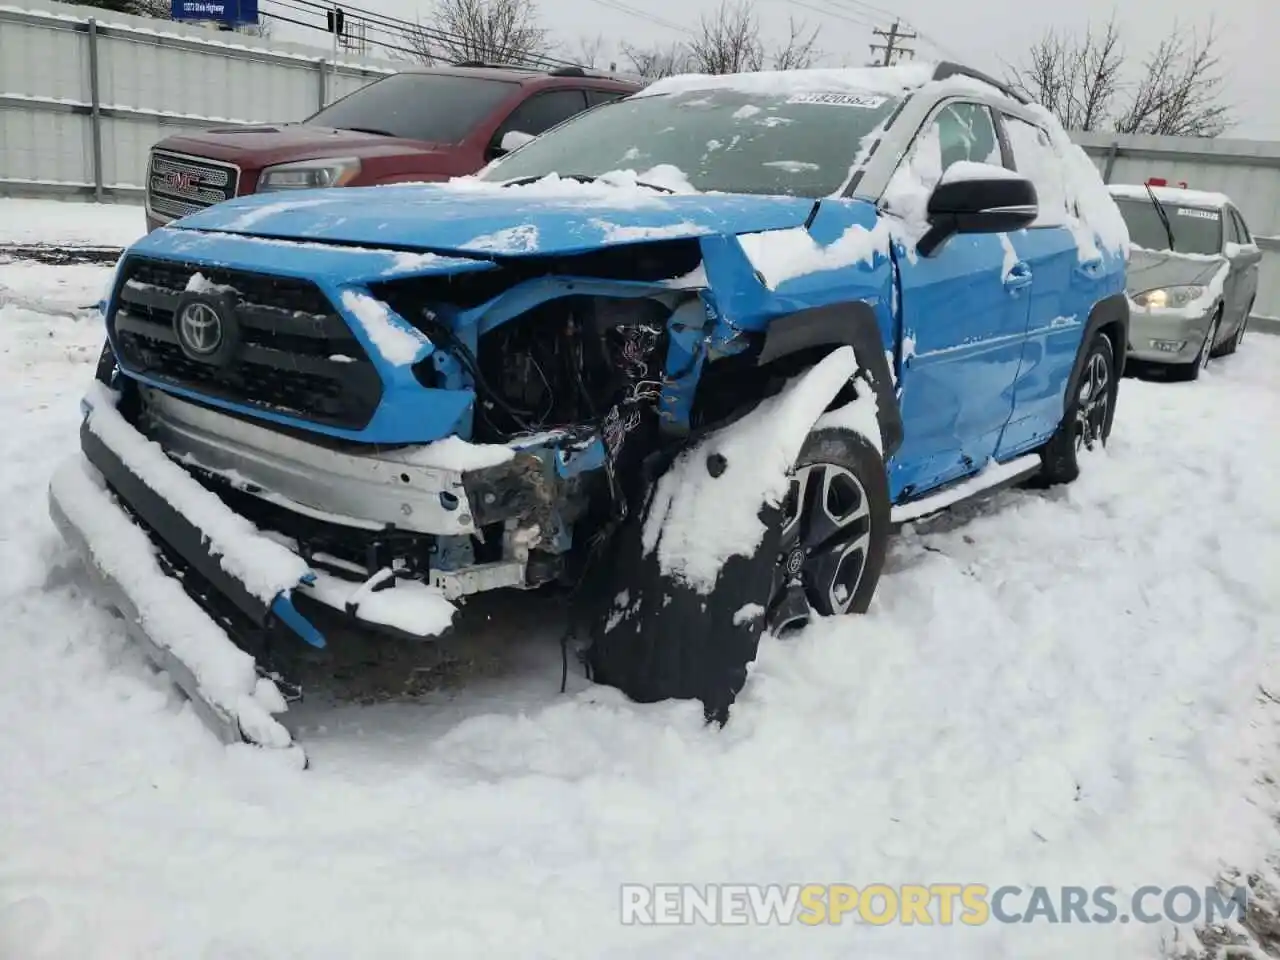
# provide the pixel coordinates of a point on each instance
(199, 329)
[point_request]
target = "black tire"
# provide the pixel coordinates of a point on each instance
(1188, 372)
(1084, 424)
(1238, 337)
(851, 470)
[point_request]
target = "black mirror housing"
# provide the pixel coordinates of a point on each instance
(997, 204)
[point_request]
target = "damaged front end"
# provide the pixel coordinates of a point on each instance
(364, 438)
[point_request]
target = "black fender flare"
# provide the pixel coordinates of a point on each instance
(1110, 311)
(836, 325)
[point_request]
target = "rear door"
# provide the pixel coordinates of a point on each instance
(1065, 286)
(1246, 260)
(964, 316)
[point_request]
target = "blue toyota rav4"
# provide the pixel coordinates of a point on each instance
(690, 356)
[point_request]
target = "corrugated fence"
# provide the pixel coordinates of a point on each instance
(83, 99)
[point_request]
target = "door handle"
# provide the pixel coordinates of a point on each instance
(1018, 276)
(1090, 268)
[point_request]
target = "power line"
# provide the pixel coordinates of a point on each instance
(891, 46)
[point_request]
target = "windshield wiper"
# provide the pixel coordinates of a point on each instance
(372, 130)
(1164, 217)
(580, 177)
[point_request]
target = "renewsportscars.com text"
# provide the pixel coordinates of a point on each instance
(969, 904)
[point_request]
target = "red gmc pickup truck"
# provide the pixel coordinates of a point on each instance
(421, 124)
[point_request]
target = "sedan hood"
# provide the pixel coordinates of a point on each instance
(485, 219)
(280, 143)
(1150, 269)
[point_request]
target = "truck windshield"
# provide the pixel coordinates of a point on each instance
(436, 108)
(1195, 229)
(724, 140)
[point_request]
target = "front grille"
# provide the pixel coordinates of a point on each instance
(296, 356)
(178, 186)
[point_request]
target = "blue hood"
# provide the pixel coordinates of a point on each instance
(487, 220)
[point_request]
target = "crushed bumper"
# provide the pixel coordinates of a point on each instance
(179, 565)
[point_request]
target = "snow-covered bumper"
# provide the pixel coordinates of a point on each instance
(1167, 336)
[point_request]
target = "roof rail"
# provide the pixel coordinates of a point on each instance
(947, 69)
(567, 72)
(492, 66)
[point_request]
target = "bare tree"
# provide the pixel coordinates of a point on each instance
(586, 52)
(487, 31)
(728, 42)
(1180, 91)
(654, 63)
(1076, 78)
(799, 52)
(1080, 79)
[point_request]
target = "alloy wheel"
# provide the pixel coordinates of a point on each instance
(1093, 401)
(825, 539)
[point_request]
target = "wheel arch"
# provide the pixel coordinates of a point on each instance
(815, 331)
(1109, 316)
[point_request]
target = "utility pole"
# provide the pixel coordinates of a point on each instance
(892, 45)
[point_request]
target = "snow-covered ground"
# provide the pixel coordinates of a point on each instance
(1063, 690)
(70, 223)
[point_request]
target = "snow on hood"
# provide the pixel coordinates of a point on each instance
(1172, 195)
(1149, 269)
(551, 216)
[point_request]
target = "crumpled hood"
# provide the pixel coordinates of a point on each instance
(1149, 269)
(485, 219)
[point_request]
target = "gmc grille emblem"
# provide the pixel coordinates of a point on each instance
(181, 181)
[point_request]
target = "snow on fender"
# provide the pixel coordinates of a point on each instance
(706, 508)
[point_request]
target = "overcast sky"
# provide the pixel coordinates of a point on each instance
(983, 33)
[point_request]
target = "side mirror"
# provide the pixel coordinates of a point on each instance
(978, 198)
(512, 140)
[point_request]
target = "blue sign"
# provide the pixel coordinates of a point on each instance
(223, 11)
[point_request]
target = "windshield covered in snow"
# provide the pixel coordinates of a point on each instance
(793, 144)
(1195, 229)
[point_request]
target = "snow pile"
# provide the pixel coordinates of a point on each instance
(782, 255)
(225, 674)
(620, 233)
(452, 453)
(697, 521)
(1178, 196)
(519, 239)
(397, 342)
(409, 606)
(890, 81)
(264, 567)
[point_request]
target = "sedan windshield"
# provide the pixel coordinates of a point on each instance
(1195, 229)
(723, 140)
(437, 108)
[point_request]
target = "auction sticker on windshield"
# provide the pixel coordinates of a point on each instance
(1202, 214)
(839, 99)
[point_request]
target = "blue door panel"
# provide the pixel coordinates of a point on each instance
(963, 332)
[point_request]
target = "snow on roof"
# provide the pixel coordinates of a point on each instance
(1174, 195)
(888, 81)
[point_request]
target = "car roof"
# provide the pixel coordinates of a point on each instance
(529, 75)
(1174, 195)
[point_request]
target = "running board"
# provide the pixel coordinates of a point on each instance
(992, 478)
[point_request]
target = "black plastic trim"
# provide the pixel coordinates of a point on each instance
(165, 523)
(837, 325)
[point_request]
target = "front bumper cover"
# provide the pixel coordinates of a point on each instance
(1148, 328)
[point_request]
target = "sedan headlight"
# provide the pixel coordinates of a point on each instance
(309, 174)
(1166, 297)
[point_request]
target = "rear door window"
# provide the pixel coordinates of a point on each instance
(597, 97)
(543, 111)
(1035, 158)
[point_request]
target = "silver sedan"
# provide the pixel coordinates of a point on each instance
(1193, 276)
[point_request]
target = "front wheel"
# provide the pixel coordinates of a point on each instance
(835, 530)
(1086, 423)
